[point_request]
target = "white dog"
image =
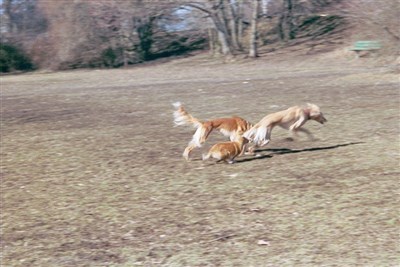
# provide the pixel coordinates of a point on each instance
(291, 119)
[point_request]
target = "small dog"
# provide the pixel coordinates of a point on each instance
(291, 119)
(233, 127)
(227, 151)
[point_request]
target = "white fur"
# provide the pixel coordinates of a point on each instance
(257, 135)
(230, 134)
(197, 136)
(180, 119)
(250, 133)
(261, 135)
(215, 155)
(177, 104)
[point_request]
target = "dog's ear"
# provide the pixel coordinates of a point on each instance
(312, 106)
(314, 109)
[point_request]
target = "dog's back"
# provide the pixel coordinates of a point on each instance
(226, 151)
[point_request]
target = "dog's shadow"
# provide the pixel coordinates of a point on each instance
(281, 151)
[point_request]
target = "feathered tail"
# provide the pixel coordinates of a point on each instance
(182, 117)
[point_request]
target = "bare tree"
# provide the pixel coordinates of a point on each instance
(105, 33)
(21, 20)
(286, 24)
(216, 12)
(253, 31)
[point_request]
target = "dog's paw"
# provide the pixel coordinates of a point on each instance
(264, 143)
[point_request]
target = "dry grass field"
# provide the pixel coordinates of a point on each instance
(92, 172)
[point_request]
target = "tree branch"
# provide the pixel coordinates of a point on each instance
(203, 9)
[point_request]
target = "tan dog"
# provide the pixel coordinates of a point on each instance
(233, 127)
(291, 119)
(227, 151)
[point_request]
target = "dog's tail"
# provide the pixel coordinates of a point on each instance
(182, 117)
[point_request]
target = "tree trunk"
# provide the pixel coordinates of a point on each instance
(223, 35)
(225, 49)
(253, 30)
(286, 26)
(240, 20)
(212, 41)
(219, 19)
(233, 23)
(7, 18)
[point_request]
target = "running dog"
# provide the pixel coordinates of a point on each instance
(233, 127)
(291, 119)
(227, 151)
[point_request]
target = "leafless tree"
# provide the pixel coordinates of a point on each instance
(228, 18)
(286, 24)
(253, 31)
(105, 33)
(216, 12)
(21, 20)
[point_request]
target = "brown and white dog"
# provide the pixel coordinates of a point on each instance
(291, 119)
(227, 151)
(233, 127)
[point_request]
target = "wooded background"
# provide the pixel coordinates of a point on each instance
(64, 34)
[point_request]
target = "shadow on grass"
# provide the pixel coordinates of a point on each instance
(281, 151)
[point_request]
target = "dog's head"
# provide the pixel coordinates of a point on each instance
(316, 114)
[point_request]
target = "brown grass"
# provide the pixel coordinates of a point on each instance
(92, 173)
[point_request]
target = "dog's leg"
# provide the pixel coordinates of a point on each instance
(250, 149)
(267, 136)
(231, 160)
(243, 150)
(207, 128)
(197, 140)
(264, 143)
(206, 156)
(188, 150)
(297, 124)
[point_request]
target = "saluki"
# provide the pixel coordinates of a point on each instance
(233, 127)
(291, 119)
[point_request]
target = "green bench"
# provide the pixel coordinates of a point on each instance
(365, 46)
